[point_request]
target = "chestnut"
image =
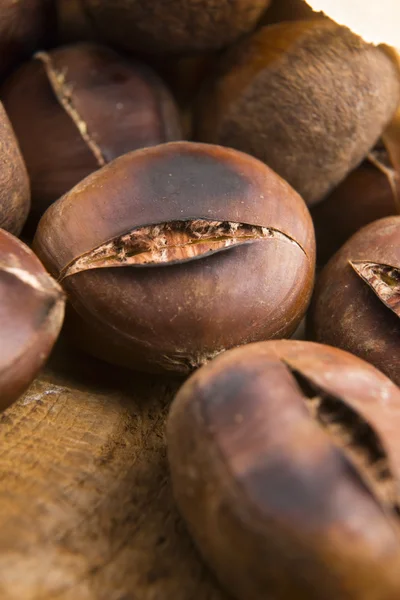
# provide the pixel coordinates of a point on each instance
(370, 192)
(83, 105)
(288, 10)
(72, 23)
(357, 299)
(173, 26)
(309, 98)
(171, 254)
(285, 465)
(14, 182)
(25, 25)
(31, 315)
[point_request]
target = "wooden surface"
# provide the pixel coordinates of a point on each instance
(86, 510)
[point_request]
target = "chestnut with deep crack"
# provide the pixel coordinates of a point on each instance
(84, 105)
(171, 254)
(289, 451)
(357, 299)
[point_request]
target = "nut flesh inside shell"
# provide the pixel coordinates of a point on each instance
(384, 280)
(169, 243)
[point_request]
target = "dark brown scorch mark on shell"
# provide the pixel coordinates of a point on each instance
(169, 243)
(383, 279)
(355, 437)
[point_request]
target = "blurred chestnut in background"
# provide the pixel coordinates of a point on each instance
(370, 192)
(173, 26)
(14, 182)
(72, 22)
(31, 315)
(25, 26)
(357, 299)
(285, 465)
(76, 108)
(185, 76)
(309, 98)
(289, 10)
(170, 255)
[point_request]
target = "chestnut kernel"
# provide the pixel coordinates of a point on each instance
(285, 465)
(357, 299)
(14, 182)
(309, 98)
(31, 315)
(173, 26)
(171, 254)
(84, 105)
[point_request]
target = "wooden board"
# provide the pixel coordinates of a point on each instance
(86, 509)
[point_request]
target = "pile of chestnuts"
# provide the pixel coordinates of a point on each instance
(209, 190)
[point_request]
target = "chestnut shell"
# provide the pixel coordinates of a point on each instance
(274, 501)
(31, 315)
(173, 26)
(177, 315)
(14, 182)
(309, 98)
(347, 313)
(25, 26)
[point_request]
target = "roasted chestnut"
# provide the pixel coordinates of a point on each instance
(288, 10)
(357, 300)
(171, 254)
(309, 98)
(172, 26)
(285, 465)
(31, 315)
(72, 22)
(25, 25)
(82, 106)
(14, 182)
(370, 192)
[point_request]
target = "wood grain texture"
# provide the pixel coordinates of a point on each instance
(86, 511)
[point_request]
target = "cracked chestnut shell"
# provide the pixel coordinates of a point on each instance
(276, 96)
(171, 254)
(357, 299)
(83, 105)
(31, 315)
(14, 182)
(370, 192)
(173, 26)
(25, 25)
(285, 464)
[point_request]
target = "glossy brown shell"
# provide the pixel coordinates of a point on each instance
(173, 26)
(14, 182)
(272, 498)
(347, 313)
(367, 194)
(31, 315)
(276, 96)
(177, 316)
(83, 105)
